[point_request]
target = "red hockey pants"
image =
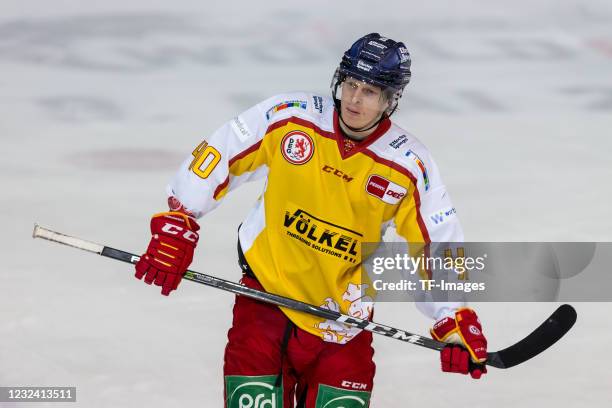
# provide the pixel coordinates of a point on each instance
(270, 363)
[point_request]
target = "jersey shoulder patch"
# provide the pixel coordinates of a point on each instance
(421, 167)
(285, 105)
(320, 104)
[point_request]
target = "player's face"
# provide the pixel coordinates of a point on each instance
(361, 104)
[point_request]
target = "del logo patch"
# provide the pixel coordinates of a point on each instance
(297, 147)
(384, 189)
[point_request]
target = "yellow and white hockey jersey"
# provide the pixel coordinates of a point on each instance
(302, 238)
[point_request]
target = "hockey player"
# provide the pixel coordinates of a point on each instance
(338, 173)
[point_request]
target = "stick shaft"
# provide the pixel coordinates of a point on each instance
(208, 280)
(548, 333)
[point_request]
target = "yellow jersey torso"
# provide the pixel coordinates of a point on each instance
(303, 237)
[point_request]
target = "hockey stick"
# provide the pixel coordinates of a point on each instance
(547, 334)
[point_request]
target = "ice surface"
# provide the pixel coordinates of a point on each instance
(100, 102)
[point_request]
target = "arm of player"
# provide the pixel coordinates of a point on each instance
(427, 225)
(232, 155)
(228, 158)
(428, 222)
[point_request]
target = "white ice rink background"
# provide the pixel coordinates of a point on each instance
(100, 103)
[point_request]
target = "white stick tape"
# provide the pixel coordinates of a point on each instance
(44, 233)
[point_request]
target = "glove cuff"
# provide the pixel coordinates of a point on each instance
(444, 328)
(463, 329)
(190, 222)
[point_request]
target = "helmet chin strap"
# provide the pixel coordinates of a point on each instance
(363, 129)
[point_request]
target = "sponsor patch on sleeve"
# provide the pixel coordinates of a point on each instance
(317, 103)
(399, 141)
(241, 129)
(441, 216)
(284, 105)
(412, 155)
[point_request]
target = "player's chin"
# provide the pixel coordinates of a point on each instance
(354, 121)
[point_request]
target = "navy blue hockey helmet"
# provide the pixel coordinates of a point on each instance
(379, 61)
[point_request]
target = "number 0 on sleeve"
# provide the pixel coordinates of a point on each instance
(205, 159)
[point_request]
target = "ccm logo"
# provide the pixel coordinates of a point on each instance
(173, 229)
(337, 173)
(354, 385)
(384, 189)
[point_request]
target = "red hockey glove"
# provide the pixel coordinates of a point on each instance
(170, 251)
(467, 351)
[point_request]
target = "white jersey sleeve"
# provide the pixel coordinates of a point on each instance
(230, 156)
(437, 218)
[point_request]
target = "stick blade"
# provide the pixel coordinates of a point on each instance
(547, 334)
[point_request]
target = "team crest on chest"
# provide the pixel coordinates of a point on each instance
(297, 147)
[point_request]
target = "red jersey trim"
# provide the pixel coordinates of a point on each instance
(272, 127)
(301, 122)
(220, 188)
(244, 153)
(336, 134)
(234, 159)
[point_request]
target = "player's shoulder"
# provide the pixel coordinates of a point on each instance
(400, 146)
(306, 105)
(408, 154)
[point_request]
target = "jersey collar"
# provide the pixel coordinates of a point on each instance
(380, 130)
